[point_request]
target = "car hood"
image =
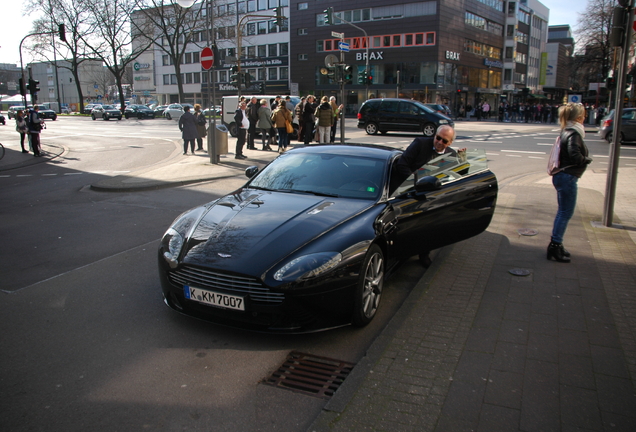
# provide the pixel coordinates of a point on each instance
(250, 231)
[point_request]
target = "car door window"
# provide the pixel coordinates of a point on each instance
(629, 115)
(447, 168)
(408, 108)
(390, 107)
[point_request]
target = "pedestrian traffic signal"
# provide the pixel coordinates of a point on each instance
(347, 73)
(22, 87)
(610, 83)
(33, 86)
(328, 16)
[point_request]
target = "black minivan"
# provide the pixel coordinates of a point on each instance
(401, 115)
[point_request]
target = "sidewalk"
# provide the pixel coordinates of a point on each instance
(475, 348)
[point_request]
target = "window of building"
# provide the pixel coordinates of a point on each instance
(251, 6)
(302, 57)
(262, 27)
(283, 49)
(166, 80)
(173, 79)
(188, 78)
(242, 7)
(303, 6)
(272, 27)
(195, 57)
(262, 51)
(251, 52)
(283, 73)
(165, 60)
(196, 77)
(188, 58)
(273, 50)
(272, 74)
(262, 74)
(221, 10)
(251, 29)
(302, 31)
(222, 76)
(231, 9)
(262, 5)
(272, 4)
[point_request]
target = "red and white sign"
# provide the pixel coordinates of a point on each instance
(207, 58)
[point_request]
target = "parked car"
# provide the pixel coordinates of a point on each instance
(88, 108)
(209, 111)
(174, 111)
(105, 112)
(441, 109)
(138, 111)
(159, 109)
(307, 243)
(628, 126)
(403, 115)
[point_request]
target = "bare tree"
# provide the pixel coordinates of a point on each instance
(172, 27)
(110, 39)
(74, 15)
(595, 54)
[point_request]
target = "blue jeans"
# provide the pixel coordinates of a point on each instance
(566, 187)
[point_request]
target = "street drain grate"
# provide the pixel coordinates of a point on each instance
(311, 375)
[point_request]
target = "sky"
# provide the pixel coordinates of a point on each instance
(15, 26)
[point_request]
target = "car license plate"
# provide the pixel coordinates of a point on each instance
(212, 298)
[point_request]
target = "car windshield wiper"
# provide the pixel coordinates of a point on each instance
(310, 192)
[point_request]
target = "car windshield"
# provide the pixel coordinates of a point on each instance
(424, 107)
(324, 174)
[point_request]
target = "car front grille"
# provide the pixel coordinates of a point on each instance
(237, 285)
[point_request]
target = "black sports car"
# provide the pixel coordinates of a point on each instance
(307, 243)
(45, 113)
(138, 111)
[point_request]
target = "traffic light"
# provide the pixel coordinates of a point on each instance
(247, 79)
(22, 87)
(362, 77)
(261, 88)
(328, 16)
(347, 73)
(280, 18)
(610, 83)
(369, 79)
(62, 32)
(235, 77)
(33, 86)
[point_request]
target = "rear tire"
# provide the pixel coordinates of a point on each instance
(369, 287)
(93, 117)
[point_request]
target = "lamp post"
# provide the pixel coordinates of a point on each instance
(211, 142)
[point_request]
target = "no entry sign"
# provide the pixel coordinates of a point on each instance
(207, 58)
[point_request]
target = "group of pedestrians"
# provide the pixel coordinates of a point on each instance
(274, 122)
(193, 127)
(319, 120)
(30, 124)
(529, 113)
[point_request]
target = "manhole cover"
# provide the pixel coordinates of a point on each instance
(519, 272)
(527, 232)
(309, 374)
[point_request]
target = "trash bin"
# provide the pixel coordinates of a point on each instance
(220, 139)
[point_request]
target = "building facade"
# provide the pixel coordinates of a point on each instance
(249, 27)
(437, 52)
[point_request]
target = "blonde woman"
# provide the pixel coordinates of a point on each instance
(573, 160)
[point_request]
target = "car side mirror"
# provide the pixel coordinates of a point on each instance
(251, 171)
(428, 184)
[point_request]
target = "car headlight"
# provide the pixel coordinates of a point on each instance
(171, 243)
(308, 266)
(443, 122)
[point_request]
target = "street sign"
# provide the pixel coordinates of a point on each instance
(575, 98)
(337, 35)
(207, 58)
(343, 46)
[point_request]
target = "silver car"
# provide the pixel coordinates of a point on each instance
(174, 111)
(105, 112)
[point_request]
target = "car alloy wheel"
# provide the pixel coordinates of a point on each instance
(168, 116)
(369, 289)
(428, 129)
(371, 129)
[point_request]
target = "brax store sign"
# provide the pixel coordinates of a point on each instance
(451, 55)
(378, 55)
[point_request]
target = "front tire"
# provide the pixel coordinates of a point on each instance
(369, 287)
(168, 116)
(93, 117)
(428, 130)
(371, 128)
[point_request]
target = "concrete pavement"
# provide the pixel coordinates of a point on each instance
(476, 347)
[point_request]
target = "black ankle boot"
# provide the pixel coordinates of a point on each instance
(556, 251)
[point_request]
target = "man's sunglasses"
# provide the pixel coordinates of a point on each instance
(444, 140)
